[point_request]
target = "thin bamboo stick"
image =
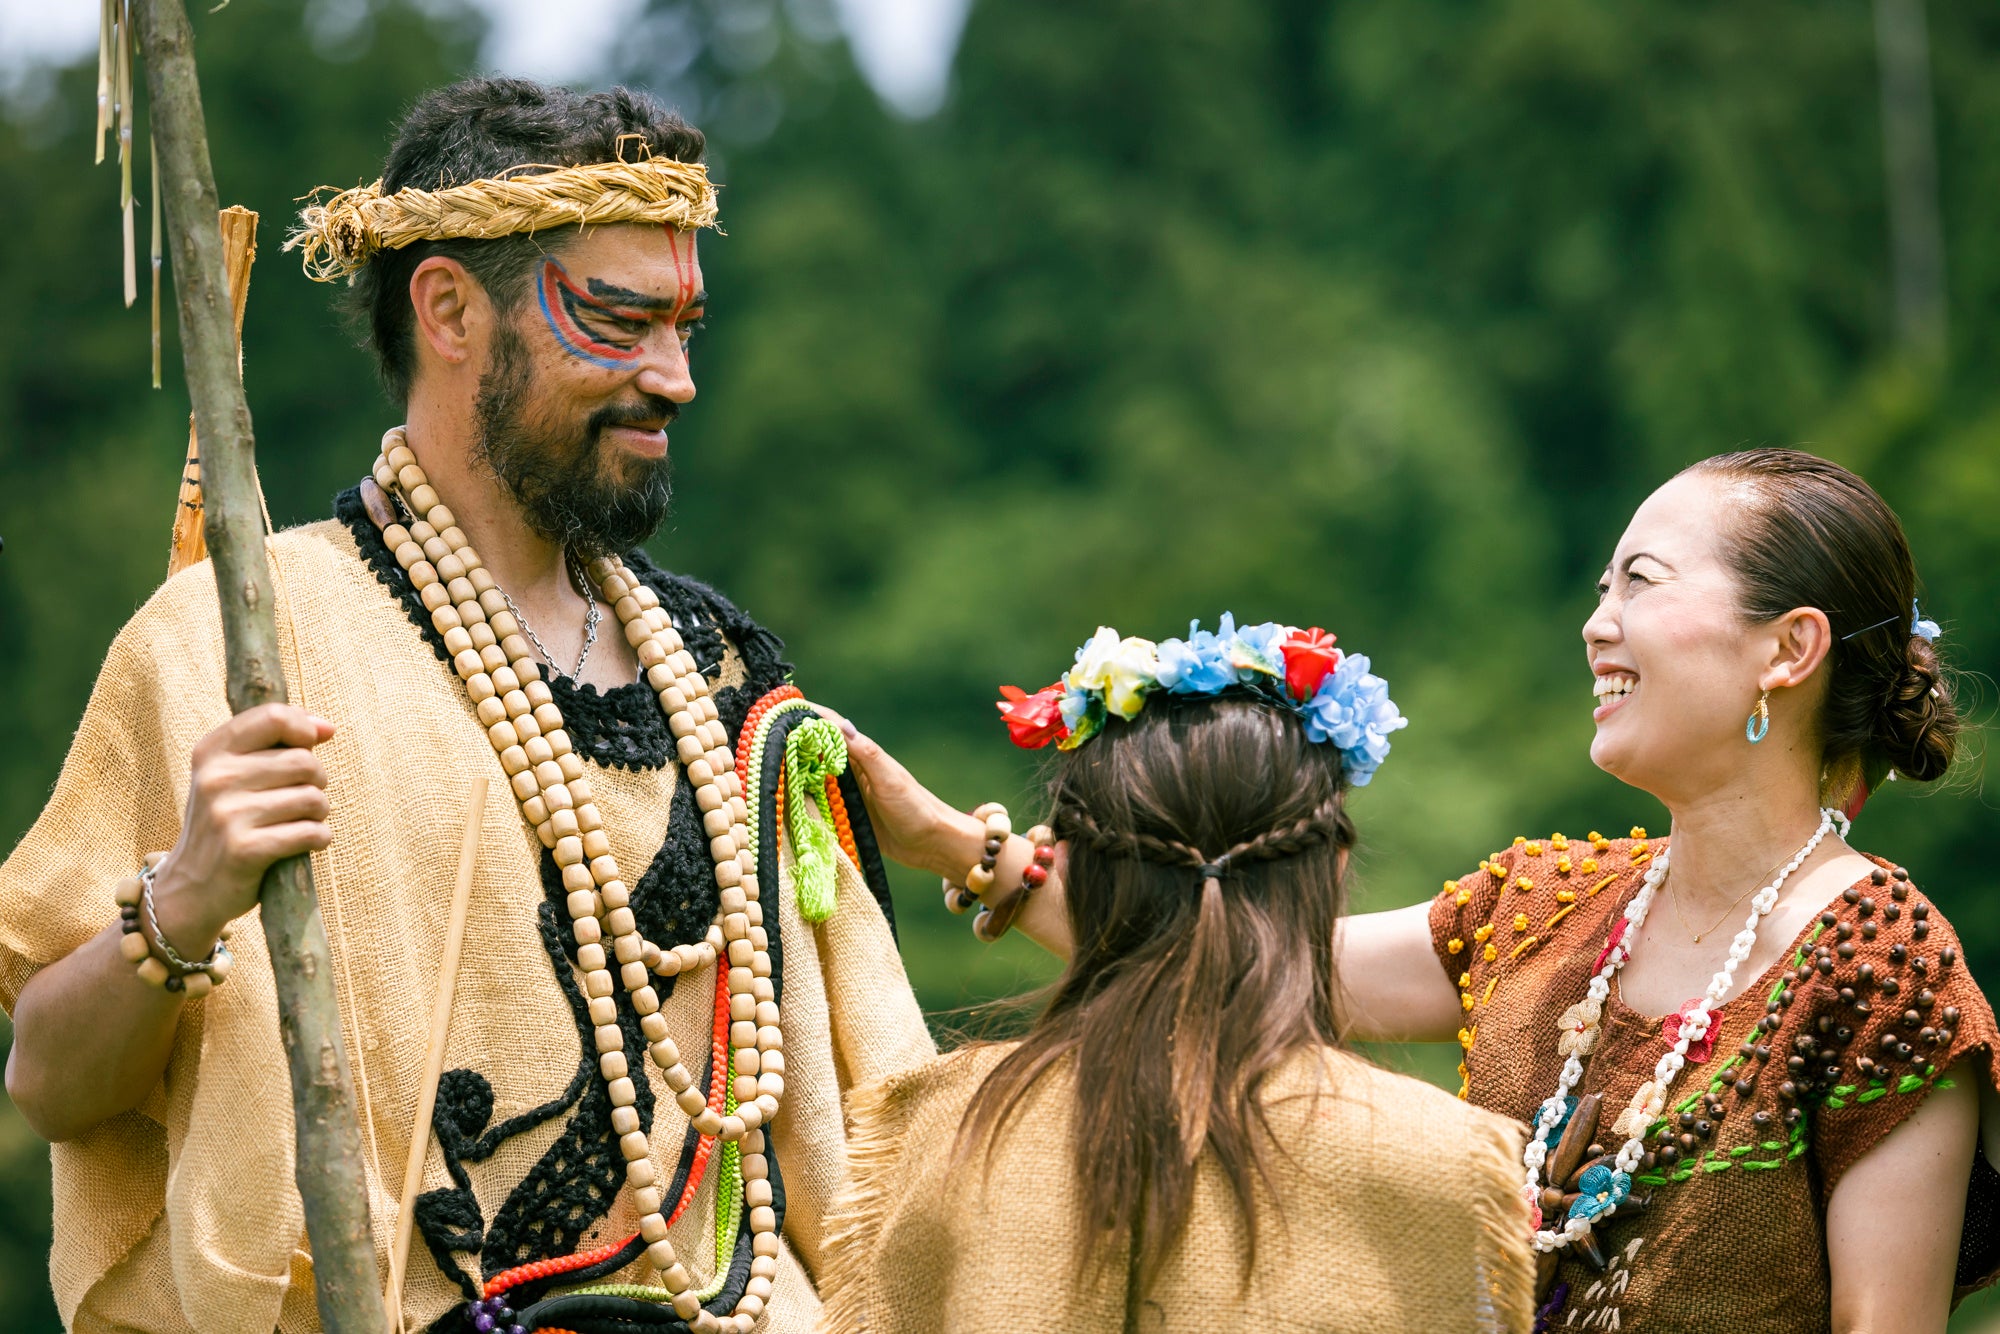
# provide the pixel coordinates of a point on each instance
(420, 1136)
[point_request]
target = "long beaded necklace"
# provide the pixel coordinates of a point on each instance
(525, 727)
(1694, 1025)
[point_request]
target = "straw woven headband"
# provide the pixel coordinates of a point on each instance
(340, 235)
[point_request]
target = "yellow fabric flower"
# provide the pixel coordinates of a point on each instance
(1533, 849)
(1483, 931)
(1132, 671)
(1524, 884)
(1520, 921)
(1455, 945)
(1491, 954)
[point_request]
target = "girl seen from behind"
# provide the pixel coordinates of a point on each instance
(1179, 1141)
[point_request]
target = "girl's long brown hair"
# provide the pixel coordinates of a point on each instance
(1186, 990)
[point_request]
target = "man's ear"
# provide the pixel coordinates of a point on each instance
(454, 314)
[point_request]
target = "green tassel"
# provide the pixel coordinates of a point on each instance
(814, 752)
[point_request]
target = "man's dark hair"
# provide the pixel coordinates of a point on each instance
(479, 128)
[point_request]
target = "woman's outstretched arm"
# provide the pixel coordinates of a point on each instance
(1392, 987)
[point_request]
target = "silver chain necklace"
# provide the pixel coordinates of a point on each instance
(590, 619)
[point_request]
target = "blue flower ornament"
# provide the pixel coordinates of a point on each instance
(1602, 1189)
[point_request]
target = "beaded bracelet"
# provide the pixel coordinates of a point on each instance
(145, 945)
(994, 919)
(963, 898)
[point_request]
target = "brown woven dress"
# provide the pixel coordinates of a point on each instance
(1809, 1068)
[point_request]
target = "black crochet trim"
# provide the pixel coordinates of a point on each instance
(622, 727)
(872, 869)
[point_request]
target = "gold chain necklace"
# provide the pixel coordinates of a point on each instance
(1675, 900)
(515, 705)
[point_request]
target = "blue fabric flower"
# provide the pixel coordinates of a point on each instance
(1352, 709)
(1928, 631)
(1602, 1189)
(1255, 651)
(1199, 664)
(1555, 1134)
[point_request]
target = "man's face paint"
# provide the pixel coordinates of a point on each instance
(615, 357)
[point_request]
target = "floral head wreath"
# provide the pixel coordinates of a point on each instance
(1341, 701)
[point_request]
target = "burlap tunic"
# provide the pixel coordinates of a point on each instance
(1735, 1235)
(1396, 1209)
(182, 1215)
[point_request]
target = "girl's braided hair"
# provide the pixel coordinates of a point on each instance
(1183, 997)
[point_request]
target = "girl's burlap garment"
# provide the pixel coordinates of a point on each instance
(1735, 1235)
(1398, 1209)
(182, 1215)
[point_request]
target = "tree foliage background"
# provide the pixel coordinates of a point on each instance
(1380, 314)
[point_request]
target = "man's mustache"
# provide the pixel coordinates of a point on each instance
(649, 410)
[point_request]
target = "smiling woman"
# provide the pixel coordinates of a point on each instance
(1726, 1135)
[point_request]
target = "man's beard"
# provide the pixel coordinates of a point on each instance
(554, 470)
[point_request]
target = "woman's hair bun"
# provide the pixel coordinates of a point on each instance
(1916, 729)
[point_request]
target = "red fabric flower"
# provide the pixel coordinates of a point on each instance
(1310, 658)
(1701, 1048)
(1611, 943)
(1033, 721)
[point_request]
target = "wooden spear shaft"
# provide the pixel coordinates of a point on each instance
(329, 1170)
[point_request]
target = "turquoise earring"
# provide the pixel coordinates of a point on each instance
(1759, 725)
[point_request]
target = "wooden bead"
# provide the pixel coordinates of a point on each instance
(468, 663)
(633, 975)
(434, 596)
(756, 1167)
(619, 921)
(637, 633)
(613, 586)
(686, 1305)
(745, 1087)
(599, 983)
(610, 1038)
(769, 1038)
(651, 654)
(571, 765)
(761, 988)
(624, 1120)
(423, 499)
(219, 970)
(579, 791)
(772, 1061)
(132, 946)
(767, 1013)
(457, 641)
(759, 1287)
(740, 954)
(492, 658)
(640, 1174)
(772, 1084)
(548, 717)
(535, 809)
(514, 761)
(692, 1100)
(634, 1146)
(558, 797)
(595, 844)
(700, 773)
(589, 957)
(654, 1026)
(653, 1228)
(743, 1034)
(577, 878)
(747, 1061)
(408, 478)
(491, 711)
(613, 1065)
(450, 567)
(526, 789)
(647, 1200)
(152, 971)
(676, 1278)
(559, 742)
(572, 822)
(763, 1219)
(723, 849)
(399, 455)
(645, 1002)
(728, 874)
(764, 1266)
(538, 751)
(622, 1093)
(707, 1121)
(603, 1010)
(742, 982)
(764, 1243)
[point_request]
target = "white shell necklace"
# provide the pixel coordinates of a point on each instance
(1694, 1025)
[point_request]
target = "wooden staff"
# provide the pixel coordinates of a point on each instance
(330, 1172)
(420, 1134)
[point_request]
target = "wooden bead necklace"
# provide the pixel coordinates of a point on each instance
(503, 681)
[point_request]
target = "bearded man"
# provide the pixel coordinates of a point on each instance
(478, 606)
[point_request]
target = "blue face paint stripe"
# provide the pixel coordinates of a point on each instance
(549, 271)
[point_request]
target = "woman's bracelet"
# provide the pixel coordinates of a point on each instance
(146, 946)
(964, 898)
(994, 919)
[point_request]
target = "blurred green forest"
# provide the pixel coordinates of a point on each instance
(1377, 314)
